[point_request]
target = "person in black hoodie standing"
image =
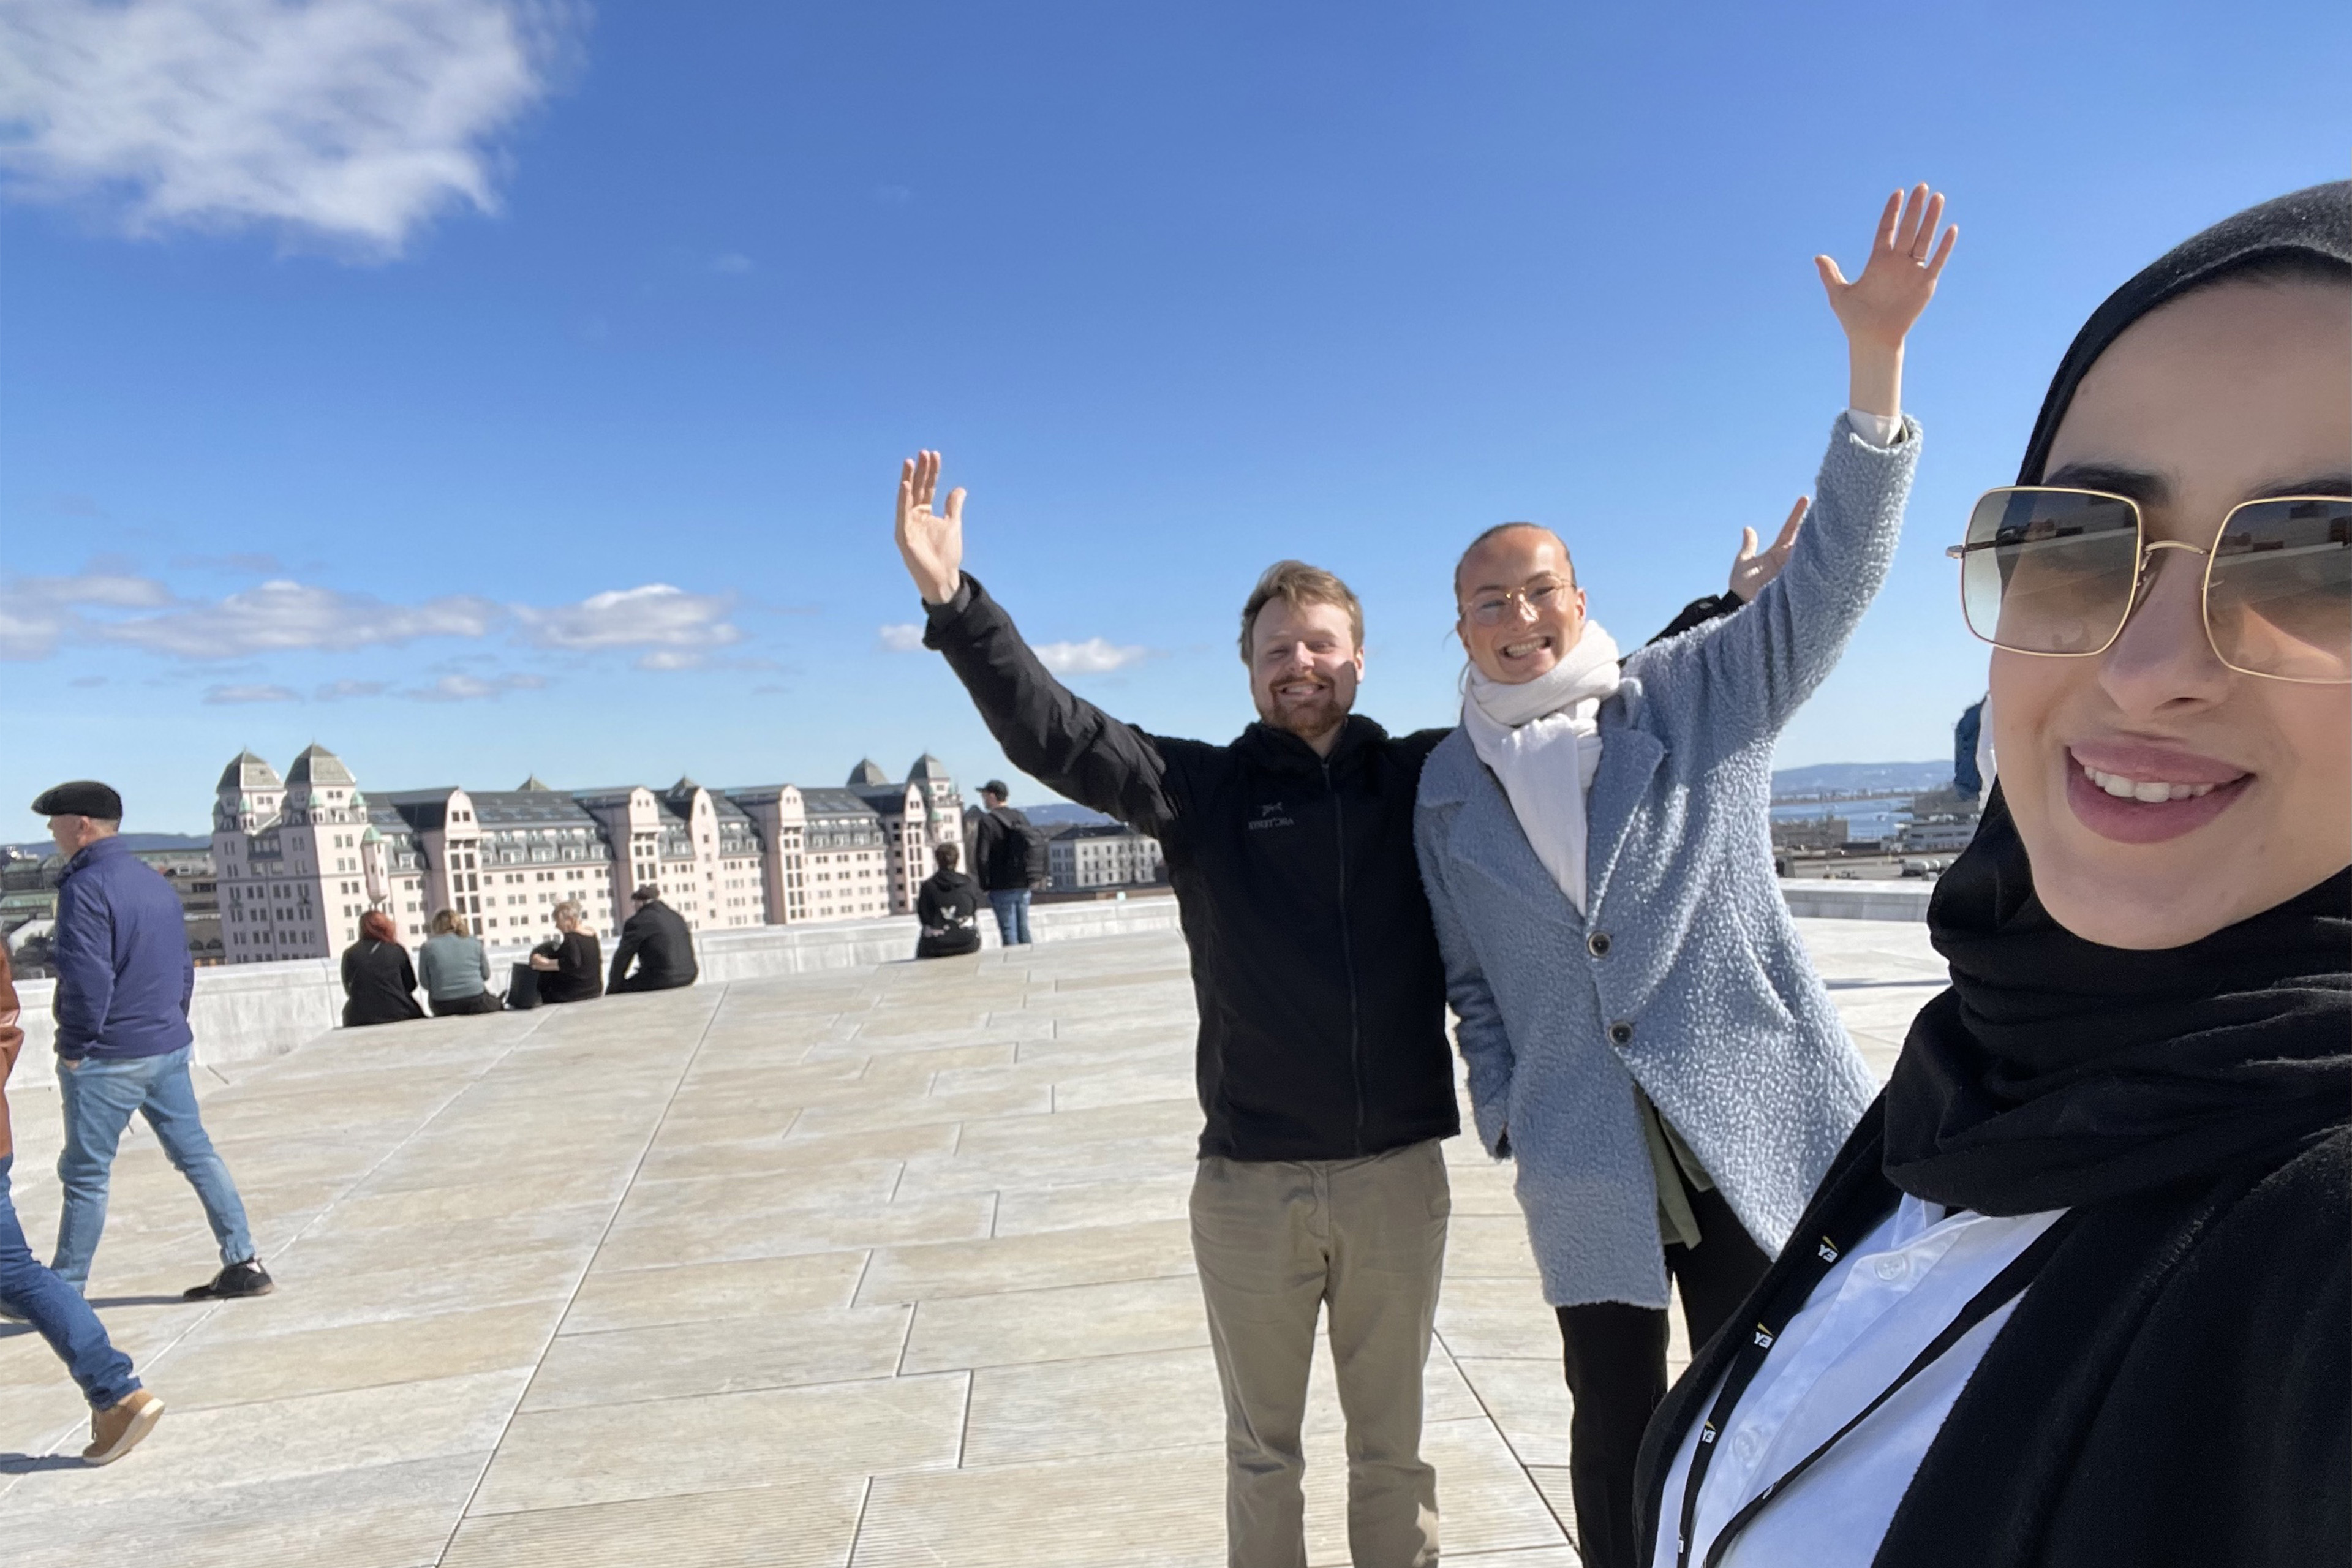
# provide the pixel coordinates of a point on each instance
(1322, 1063)
(656, 940)
(2077, 1291)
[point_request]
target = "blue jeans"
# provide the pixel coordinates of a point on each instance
(100, 1097)
(58, 1312)
(1012, 906)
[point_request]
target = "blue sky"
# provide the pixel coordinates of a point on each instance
(481, 390)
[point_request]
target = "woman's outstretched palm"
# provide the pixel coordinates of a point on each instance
(1899, 279)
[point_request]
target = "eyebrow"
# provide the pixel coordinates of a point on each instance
(2141, 485)
(1557, 579)
(2335, 484)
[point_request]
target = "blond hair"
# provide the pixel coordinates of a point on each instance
(449, 922)
(1295, 582)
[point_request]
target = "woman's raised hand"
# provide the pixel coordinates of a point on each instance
(930, 542)
(1878, 307)
(1751, 569)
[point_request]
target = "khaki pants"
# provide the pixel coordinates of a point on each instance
(1276, 1241)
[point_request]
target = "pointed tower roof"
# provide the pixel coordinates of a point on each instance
(928, 769)
(317, 765)
(248, 772)
(535, 783)
(866, 775)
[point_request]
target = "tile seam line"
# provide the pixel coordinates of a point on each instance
(653, 1135)
(1525, 1471)
(296, 1239)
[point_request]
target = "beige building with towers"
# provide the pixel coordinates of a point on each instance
(301, 859)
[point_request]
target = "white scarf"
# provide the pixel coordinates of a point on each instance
(1542, 739)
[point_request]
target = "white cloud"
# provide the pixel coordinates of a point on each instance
(904, 638)
(671, 658)
(282, 617)
(1093, 657)
(358, 120)
(474, 688)
(222, 694)
(653, 616)
(338, 691)
(37, 613)
(733, 262)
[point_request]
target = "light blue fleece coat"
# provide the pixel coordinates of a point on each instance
(1703, 994)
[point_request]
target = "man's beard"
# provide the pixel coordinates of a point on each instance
(1309, 720)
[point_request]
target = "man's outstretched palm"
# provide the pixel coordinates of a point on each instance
(930, 542)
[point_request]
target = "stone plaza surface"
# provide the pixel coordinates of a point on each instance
(871, 1267)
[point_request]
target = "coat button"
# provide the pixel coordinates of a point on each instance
(1596, 944)
(1620, 1032)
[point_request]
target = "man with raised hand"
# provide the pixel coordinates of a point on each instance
(1323, 1067)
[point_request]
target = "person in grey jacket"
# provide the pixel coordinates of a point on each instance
(1642, 1031)
(455, 968)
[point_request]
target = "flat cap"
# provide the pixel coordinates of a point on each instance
(79, 797)
(647, 894)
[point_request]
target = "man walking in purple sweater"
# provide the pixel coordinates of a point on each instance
(124, 982)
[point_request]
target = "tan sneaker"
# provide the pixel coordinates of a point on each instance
(116, 1430)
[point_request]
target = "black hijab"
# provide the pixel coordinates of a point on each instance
(2057, 1072)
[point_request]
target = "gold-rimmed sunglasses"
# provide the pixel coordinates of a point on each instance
(2057, 571)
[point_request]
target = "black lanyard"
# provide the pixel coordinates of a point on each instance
(1784, 1304)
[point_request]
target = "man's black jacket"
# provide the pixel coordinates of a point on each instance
(993, 844)
(1321, 994)
(657, 937)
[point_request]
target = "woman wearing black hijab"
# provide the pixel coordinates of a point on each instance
(2079, 1289)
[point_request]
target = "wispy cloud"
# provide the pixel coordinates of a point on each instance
(283, 616)
(732, 261)
(904, 638)
(37, 612)
(232, 694)
(474, 688)
(343, 690)
(251, 563)
(1096, 656)
(656, 615)
(356, 120)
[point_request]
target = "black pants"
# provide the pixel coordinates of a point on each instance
(641, 980)
(1616, 1359)
(480, 1002)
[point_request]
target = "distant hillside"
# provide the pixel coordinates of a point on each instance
(1063, 811)
(132, 840)
(1822, 778)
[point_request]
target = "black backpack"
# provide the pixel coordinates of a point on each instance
(1022, 858)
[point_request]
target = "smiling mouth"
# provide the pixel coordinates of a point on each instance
(1524, 647)
(1292, 690)
(2148, 792)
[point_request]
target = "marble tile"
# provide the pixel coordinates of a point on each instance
(1057, 1325)
(1097, 1256)
(1164, 1510)
(724, 1236)
(1024, 1211)
(705, 1292)
(728, 1355)
(799, 1522)
(1528, 1400)
(612, 1453)
(1498, 1317)
(217, 1364)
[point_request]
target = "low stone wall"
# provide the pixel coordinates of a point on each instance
(248, 1010)
(1824, 900)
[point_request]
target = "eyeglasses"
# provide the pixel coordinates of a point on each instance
(1488, 609)
(2057, 572)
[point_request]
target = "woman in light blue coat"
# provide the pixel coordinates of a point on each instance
(1642, 1031)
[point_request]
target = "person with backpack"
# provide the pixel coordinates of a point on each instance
(1008, 856)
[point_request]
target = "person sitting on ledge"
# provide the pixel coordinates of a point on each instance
(2077, 1289)
(571, 966)
(657, 939)
(946, 905)
(455, 968)
(378, 982)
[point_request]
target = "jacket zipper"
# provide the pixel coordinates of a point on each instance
(1347, 957)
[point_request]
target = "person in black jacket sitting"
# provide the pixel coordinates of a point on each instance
(378, 980)
(945, 906)
(657, 938)
(1323, 1066)
(570, 968)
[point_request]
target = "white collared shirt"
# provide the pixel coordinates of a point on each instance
(1872, 1314)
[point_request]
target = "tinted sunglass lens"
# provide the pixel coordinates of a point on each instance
(2279, 599)
(2049, 571)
